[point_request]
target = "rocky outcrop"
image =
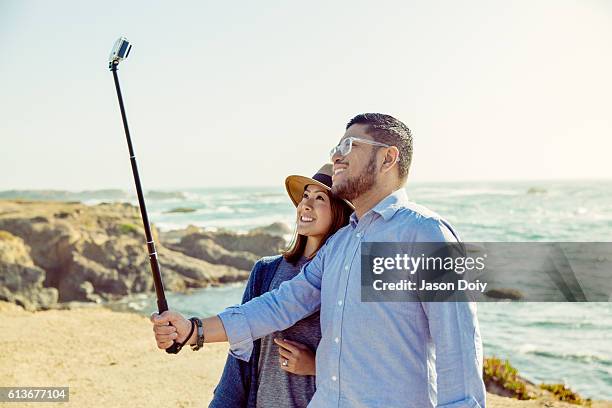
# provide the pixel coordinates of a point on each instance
(240, 251)
(260, 244)
(277, 229)
(54, 251)
(203, 246)
(21, 281)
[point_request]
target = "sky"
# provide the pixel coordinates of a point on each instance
(244, 94)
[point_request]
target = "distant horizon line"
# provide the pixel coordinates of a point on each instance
(148, 189)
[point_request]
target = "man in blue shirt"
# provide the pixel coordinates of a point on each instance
(371, 354)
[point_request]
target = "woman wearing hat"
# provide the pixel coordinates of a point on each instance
(281, 370)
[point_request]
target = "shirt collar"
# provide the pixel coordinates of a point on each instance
(387, 207)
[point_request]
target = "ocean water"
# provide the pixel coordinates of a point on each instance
(505, 212)
(547, 342)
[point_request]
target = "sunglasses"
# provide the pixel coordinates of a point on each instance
(344, 147)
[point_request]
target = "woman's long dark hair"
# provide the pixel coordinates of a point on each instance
(340, 217)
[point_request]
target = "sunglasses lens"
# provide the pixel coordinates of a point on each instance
(342, 149)
(345, 147)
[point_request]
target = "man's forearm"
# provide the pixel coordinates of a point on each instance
(265, 314)
(214, 332)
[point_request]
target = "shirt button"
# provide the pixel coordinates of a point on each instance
(334, 378)
(337, 340)
(358, 235)
(339, 303)
(346, 267)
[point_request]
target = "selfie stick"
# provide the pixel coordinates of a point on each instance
(120, 52)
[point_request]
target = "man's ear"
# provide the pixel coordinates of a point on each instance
(391, 157)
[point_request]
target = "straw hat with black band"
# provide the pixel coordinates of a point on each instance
(295, 185)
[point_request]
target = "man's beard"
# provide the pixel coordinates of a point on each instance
(352, 188)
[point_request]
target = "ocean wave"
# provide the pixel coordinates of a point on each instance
(576, 357)
(165, 195)
(454, 193)
(564, 325)
(222, 209)
(170, 226)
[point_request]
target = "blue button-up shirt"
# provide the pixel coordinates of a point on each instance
(373, 354)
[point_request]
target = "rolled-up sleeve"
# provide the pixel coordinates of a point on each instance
(238, 332)
(275, 310)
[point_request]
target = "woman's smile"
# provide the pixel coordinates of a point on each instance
(306, 218)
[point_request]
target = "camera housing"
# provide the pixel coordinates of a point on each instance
(120, 51)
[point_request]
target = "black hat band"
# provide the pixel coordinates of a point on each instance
(323, 178)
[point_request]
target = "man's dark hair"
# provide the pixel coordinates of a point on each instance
(386, 129)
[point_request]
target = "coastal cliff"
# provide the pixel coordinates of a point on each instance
(66, 251)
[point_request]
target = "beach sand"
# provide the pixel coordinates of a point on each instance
(109, 359)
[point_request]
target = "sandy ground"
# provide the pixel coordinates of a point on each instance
(109, 359)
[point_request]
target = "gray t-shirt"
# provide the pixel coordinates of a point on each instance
(278, 388)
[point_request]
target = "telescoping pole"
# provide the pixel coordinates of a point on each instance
(120, 52)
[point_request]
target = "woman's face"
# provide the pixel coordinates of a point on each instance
(314, 216)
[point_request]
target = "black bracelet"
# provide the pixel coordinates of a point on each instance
(180, 346)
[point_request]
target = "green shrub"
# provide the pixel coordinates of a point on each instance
(506, 376)
(6, 236)
(128, 228)
(565, 394)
